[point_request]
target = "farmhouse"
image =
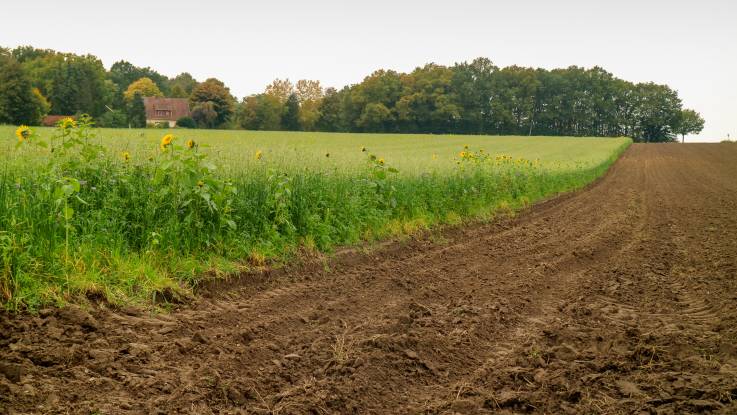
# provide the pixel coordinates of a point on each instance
(165, 110)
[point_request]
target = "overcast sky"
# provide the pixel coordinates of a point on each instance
(689, 45)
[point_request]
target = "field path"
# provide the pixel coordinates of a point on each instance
(620, 298)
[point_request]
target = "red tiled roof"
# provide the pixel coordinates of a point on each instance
(51, 120)
(170, 109)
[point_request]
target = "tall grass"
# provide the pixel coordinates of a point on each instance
(94, 223)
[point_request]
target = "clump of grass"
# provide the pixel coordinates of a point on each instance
(81, 216)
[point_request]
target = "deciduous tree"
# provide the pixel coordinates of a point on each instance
(20, 103)
(136, 111)
(689, 122)
(215, 91)
(290, 119)
(280, 89)
(144, 86)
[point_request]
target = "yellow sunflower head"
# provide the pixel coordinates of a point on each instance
(190, 144)
(67, 123)
(166, 141)
(258, 155)
(200, 183)
(381, 162)
(23, 133)
(126, 156)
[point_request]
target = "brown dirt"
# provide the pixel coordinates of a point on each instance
(621, 298)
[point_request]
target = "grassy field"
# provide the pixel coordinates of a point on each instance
(111, 214)
(410, 153)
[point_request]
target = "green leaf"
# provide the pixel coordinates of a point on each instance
(67, 190)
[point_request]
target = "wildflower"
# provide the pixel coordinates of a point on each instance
(462, 154)
(67, 123)
(23, 133)
(200, 183)
(381, 162)
(434, 156)
(166, 141)
(190, 144)
(258, 155)
(363, 149)
(126, 156)
(465, 147)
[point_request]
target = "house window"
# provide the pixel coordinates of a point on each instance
(163, 113)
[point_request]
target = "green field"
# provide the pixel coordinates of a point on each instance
(410, 153)
(83, 221)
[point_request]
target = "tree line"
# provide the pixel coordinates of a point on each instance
(474, 97)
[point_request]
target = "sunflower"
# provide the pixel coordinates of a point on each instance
(23, 133)
(258, 155)
(166, 141)
(363, 149)
(200, 183)
(381, 162)
(67, 123)
(434, 156)
(190, 144)
(126, 156)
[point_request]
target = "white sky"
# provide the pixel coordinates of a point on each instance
(689, 45)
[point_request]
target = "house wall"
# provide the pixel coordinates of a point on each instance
(171, 123)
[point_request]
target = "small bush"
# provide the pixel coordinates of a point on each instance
(186, 122)
(113, 119)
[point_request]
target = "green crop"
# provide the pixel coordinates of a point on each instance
(144, 215)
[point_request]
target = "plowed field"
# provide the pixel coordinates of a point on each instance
(620, 298)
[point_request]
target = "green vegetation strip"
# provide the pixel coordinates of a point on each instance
(136, 215)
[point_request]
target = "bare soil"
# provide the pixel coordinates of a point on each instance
(620, 298)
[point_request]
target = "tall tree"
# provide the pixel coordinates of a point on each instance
(310, 94)
(260, 112)
(428, 103)
(20, 103)
(281, 89)
(144, 86)
(658, 110)
(182, 85)
(124, 73)
(136, 111)
(689, 122)
(71, 83)
(215, 91)
(290, 120)
(205, 114)
(330, 112)
(472, 83)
